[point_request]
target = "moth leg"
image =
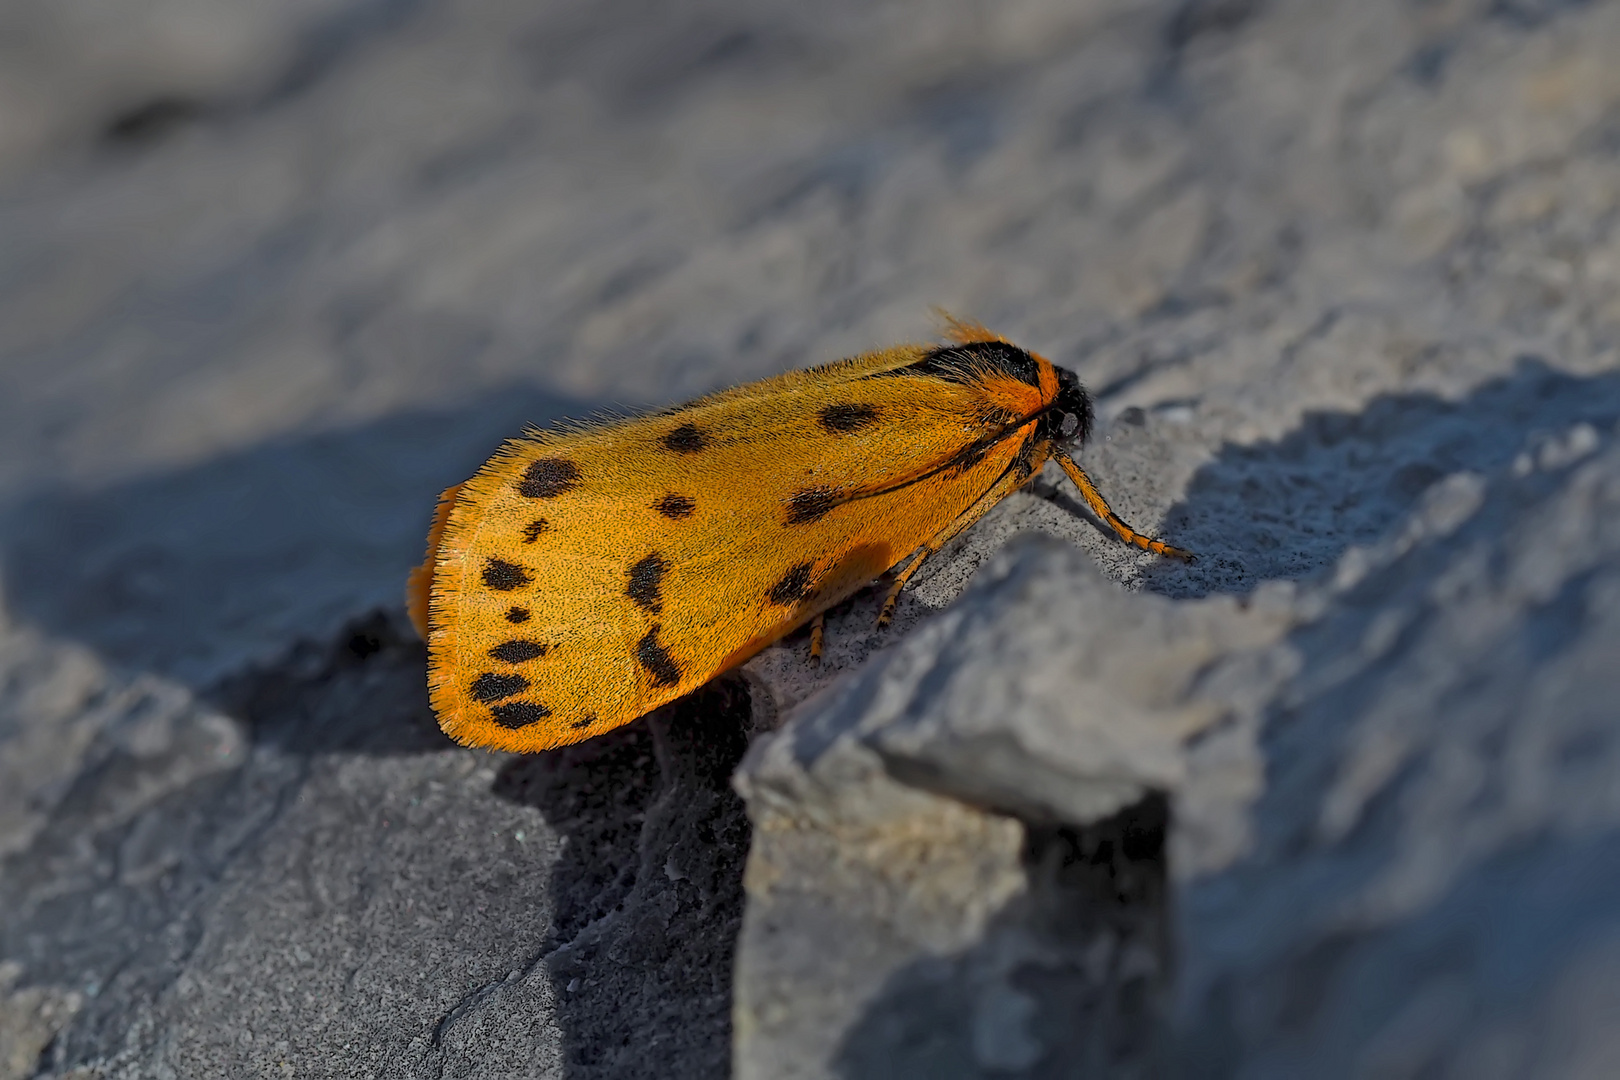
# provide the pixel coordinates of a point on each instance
(818, 628)
(1100, 507)
(1010, 482)
(887, 611)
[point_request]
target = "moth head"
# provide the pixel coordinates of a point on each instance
(1068, 418)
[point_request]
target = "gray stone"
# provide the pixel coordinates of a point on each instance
(310, 889)
(895, 933)
(1431, 885)
(1342, 277)
(922, 859)
(1049, 692)
(841, 904)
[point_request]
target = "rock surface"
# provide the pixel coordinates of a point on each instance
(1339, 800)
(300, 875)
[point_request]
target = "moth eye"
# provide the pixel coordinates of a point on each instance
(1070, 425)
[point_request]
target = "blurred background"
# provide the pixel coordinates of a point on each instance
(272, 274)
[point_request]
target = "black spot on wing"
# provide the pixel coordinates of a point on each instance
(656, 659)
(969, 363)
(794, 586)
(519, 714)
(532, 531)
(518, 651)
(675, 506)
(686, 439)
(490, 687)
(503, 576)
(844, 419)
(647, 582)
(547, 478)
(811, 504)
(583, 722)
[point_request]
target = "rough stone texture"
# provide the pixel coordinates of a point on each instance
(1433, 883)
(1344, 276)
(894, 932)
(842, 898)
(1392, 799)
(322, 886)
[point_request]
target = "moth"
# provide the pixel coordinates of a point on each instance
(585, 576)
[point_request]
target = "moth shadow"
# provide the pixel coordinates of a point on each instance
(647, 893)
(1288, 509)
(361, 692)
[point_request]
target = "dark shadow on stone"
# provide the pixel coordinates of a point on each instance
(1286, 510)
(1066, 982)
(648, 892)
(150, 122)
(363, 693)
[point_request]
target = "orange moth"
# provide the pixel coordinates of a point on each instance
(583, 577)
